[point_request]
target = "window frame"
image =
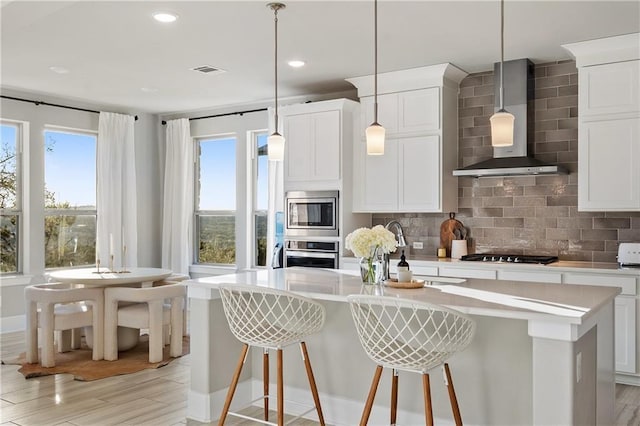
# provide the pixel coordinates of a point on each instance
(18, 208)
(196, 200)
(51, 212)
(252, 209)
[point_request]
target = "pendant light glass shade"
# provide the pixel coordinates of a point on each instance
(375, 132)
(502, 128)
(275, 147)
(502, 122)
(375, 139)
(275, 142)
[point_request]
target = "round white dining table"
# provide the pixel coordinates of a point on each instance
(127, 337)
(90, 276)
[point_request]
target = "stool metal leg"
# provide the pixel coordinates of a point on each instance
(394, 395)
(452, 395)
(372, 395)
(280, 391)
(265, 382)
(234, 383)
(312, 382)
(428, 410)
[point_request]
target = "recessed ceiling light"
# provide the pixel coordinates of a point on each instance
(59, 70)
(165, 17)
(296, 63)
(149, 89)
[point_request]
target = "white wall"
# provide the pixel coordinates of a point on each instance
(149, 183)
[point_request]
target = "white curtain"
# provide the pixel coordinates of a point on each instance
(177, 234)
(276, 191)
(116, 199)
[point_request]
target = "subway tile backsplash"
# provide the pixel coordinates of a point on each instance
(527, 214)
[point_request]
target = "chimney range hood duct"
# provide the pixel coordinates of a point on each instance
(519, 87)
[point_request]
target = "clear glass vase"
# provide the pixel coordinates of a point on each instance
(372, 268)
(368, 270)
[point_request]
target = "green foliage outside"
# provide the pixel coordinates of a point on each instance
(8, 221)
(217, 240)
(69, 240)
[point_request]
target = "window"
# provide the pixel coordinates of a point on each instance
(70, 198)
(260, 198)
(215, 210)
(10, 196)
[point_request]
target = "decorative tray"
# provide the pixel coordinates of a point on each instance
(414, 283)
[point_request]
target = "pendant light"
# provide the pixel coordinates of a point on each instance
(275, 142)
(375, 132)
(502, 121)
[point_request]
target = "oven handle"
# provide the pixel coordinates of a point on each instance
(317, 254)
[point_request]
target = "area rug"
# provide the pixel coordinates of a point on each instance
(79, 363)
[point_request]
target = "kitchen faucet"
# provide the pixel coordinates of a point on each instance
(401, 243)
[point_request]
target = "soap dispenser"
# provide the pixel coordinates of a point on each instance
(404, 275)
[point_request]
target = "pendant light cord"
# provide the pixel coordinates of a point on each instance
(501, 55)
(275, 13)
(375, 60)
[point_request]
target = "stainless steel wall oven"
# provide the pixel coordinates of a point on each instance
(311, 254)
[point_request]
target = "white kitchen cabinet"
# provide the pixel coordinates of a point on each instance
(400, 180)
(405, 112)
(609, 88)
(625, 334)
(608, 165)
(418, 108)
(317, 134)
(625, 314)
(313, 146)
(608, 123)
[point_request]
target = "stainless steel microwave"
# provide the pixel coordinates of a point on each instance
(312, 213)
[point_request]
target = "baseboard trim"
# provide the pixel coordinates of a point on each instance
(13, 324)
(206, 408)
(336, 410)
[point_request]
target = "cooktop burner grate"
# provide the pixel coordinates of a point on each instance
(509, 258)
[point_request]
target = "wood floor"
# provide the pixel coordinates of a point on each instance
(150, 397)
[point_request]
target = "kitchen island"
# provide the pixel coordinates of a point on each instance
(542, 354)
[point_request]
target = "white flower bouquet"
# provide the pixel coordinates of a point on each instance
(368, 244)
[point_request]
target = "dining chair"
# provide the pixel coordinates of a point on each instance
(413, 336)
(270, 319)
(185, 312)
(148, 311)
(57, 307)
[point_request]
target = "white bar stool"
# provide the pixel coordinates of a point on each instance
(270, 319)
(408, 335)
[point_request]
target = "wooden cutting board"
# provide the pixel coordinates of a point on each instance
(451, 229)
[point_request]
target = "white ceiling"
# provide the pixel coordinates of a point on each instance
(113, 49)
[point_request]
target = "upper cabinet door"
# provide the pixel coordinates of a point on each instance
(608, 167)
(420, 171)
(379, 185)
(298, 132)
(326, 145)
(411, 112)
(610, 88)
(419, 110)
(387, 112)
(313, 144)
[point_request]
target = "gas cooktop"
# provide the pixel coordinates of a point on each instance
(509, 258)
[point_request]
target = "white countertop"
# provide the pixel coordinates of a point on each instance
(561, 265)
(495, 298)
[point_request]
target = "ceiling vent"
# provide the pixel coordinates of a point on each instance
(208, 69)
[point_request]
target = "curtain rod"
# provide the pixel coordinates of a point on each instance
(53, 105)
(224, 114)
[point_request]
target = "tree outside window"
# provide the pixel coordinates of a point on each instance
(70, 199)
(9, 197)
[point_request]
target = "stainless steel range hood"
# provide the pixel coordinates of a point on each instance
(519, 87)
